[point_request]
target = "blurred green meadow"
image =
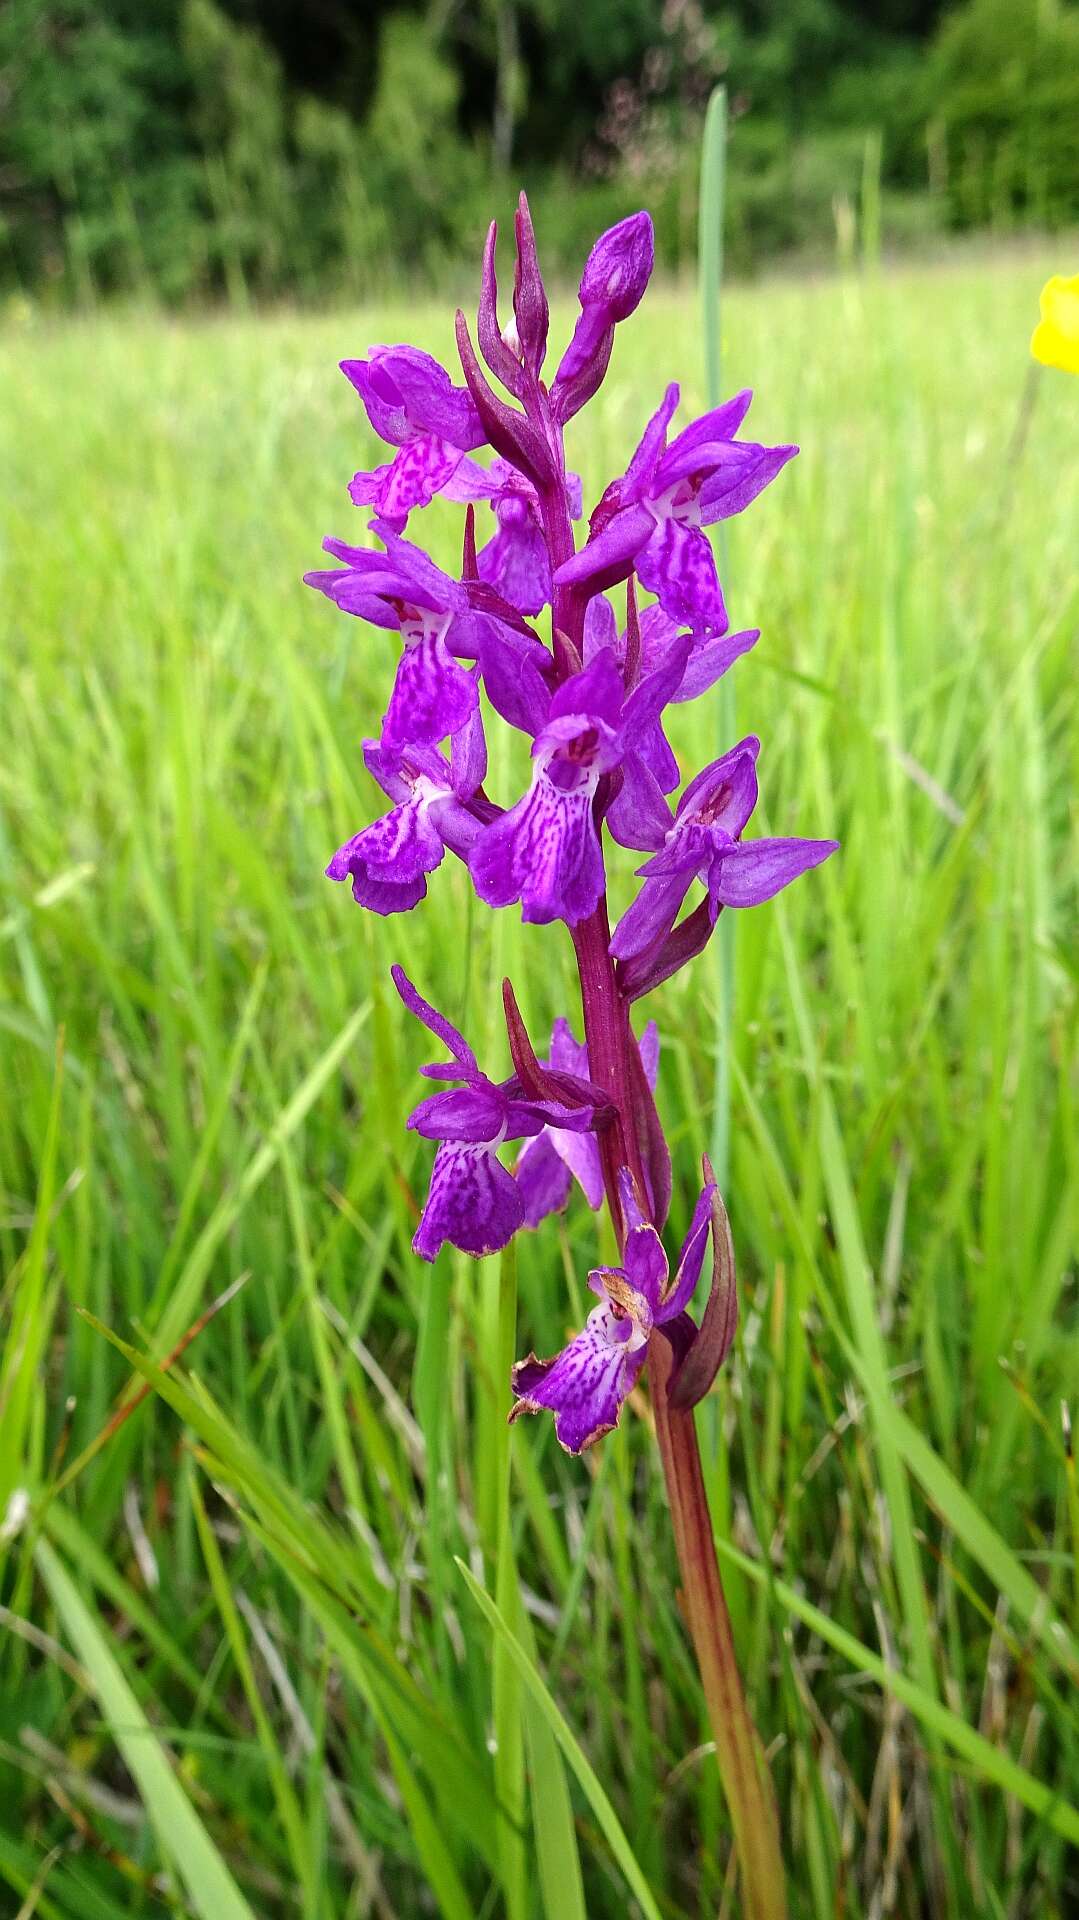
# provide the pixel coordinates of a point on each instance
(241, 1669)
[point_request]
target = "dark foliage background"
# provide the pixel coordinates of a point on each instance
(193, 148)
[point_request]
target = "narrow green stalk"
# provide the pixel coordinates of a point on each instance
(710, 276)
(505, 1681)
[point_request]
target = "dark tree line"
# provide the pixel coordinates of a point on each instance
(188, 148)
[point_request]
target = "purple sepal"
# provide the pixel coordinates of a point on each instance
(395, 589)
(708, 662)
(474, 1112)
(752, 873)
(586, 1385)
(406, 394)
(709, 658)
(543, 1180)
(442, 1029)
(529, 294)
(639, 817)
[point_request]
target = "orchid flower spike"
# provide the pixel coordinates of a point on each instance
(586, 692)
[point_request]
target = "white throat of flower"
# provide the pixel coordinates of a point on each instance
(423, 623)
(681, 503)
(426, 791)
(589, 771)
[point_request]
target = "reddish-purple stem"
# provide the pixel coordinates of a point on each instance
(610, 1040)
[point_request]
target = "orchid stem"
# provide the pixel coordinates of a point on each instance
(740, 1756)
(742, 1765)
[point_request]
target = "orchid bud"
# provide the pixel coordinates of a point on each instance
(616, 274)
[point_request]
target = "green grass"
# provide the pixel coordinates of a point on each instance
(312, 1632)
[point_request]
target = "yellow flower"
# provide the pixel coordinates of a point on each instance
(1056, 337)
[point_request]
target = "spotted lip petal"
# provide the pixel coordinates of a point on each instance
(473, 1202)
(432, 696)
(586, 1385)
(678, 566)
(418, 473)
(387, 862)
(544, 852)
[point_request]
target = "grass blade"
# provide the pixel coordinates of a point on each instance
(608, 1820)
(181, 1835)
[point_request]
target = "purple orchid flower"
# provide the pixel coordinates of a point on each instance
(473, 1200)
(586, 1384)
(545, 852)
(661, 642)
(412, 404)
(438, 618)
(555, 1157)
(652, 517)
(703, 843)
(388, 862)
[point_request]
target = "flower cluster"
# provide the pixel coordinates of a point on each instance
(589, 691)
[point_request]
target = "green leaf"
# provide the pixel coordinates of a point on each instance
(608, 1820)
(988, 1760)
(181, 1835)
